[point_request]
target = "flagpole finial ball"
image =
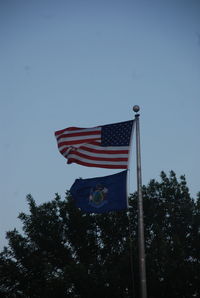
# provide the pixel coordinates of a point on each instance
(136, 108)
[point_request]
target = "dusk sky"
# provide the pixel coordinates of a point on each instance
(86, 63)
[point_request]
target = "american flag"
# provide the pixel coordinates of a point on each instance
(105, 146)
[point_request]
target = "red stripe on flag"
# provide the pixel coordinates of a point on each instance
(104, 151)
(99, 158)
(77, 134)
(87, 164)
(74, 142)
(58, 132)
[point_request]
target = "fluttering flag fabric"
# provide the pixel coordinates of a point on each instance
(105, 146)
(101, 194)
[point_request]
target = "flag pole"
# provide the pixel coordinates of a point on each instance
(141, 244)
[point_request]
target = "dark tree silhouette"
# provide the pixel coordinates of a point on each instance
(63, 252)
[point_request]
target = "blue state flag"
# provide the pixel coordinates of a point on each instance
(101, 194)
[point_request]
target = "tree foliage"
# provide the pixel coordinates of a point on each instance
(63, 252)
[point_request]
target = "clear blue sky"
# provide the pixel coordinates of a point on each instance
(86, 63)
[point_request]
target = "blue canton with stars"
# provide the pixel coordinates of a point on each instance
(117, 134)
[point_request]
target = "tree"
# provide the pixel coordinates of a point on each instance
(66, 253)
(171, 227)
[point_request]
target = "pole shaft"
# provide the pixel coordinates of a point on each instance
(141, 244)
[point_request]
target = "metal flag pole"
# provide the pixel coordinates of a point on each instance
(141, 245)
